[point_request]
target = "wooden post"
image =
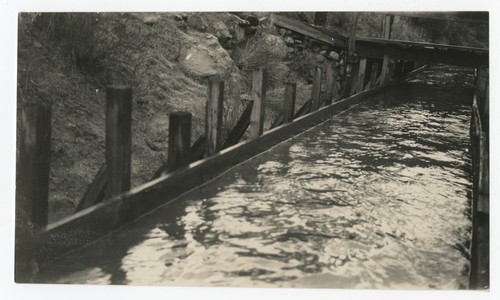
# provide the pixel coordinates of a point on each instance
(387, 26)
(289, 103)
(179, 140)
(316, 89)
(482, 86)
(330, 83)
(385, 70)
(32, 187)
(361, 74)
(373, 76)
(118, 139)
(259, 81)
(213, 122)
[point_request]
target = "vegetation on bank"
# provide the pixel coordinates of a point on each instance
(68, 60)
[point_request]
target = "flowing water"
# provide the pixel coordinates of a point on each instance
(376, 197)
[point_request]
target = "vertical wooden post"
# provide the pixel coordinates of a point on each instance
(348, 81)
(213, 122)
(361, 74)
(482, 95)
(179, 140)
(373, 76)
(32, 185)
(289, 103)
(259, 81)
(386, 34)
(118, 139)
(387, 26)
(330, 83)
(385, 70)
(316, 89)
(32, 188)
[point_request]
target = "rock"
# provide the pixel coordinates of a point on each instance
(197, 22)
(333, 55)
(291, 49)
(238, 33)
(322, 52)
(275, 45)
(288, 40)
(206, 57)
(282, 31)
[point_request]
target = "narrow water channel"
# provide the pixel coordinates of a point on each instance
(377, 197)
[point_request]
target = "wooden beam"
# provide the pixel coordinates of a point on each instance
(316, 88)
(258, 94)
(289, 101)
(118, 139)
(361, 74)
(385, 70)
(241, 126)
(387, 26)
(329, 83)
(330, 38)
(480, 17)
(95, 192)
(423, 52)
(179, 140)
(32, 186)
(373, 75)
(213, 123)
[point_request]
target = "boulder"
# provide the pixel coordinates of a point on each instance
(205, 57)
(333, 56)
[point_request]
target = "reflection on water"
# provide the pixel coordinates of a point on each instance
(377, 197)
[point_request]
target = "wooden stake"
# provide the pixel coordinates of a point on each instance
(179, 140)
(259, 81)
(289, 103)
(385, 70)
(361, 74)
(118, 139)
(316, 89)
(32, 187)
(330, 83)
(213, 122)
(373, 75)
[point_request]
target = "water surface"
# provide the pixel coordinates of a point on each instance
(377, 197)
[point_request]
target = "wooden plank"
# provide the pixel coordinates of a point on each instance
(354, 80)
(258, 93)
(479, 17)
(198, 148)
(32, 186)
(197, 152)
(482, 84)
(95, 192)
(289, 101)
(373, 75)
(387, 26)
(385, 70)
(316, 88)
(241, 126)
(118, 139)
(179, 140)
(330, 38)
(213, 123)
(425, 53)
(304, 109)
(361, 74)
(329, 83)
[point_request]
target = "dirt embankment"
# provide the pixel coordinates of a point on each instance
(167, 59)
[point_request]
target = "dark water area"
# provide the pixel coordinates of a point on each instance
(377, 197)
